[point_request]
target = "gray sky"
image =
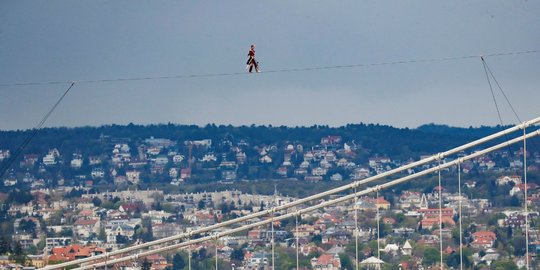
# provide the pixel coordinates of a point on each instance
(64, 40)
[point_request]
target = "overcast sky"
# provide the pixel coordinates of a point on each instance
(66, 40)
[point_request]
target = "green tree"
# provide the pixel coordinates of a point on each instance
(200, 205)
(519, 245)
(66, 232)
(346, 262)
(18, 255)
(27, 225)
(5, 245)
(178, 262)
(146, 265)
(504, 265)
(102, 236)
(237, 255)
(431, 256)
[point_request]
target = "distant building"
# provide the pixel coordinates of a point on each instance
(331, 140)
(504, 180)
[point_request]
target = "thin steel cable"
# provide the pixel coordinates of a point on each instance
(216, 243)
(188, 76)
(503, 93)
(491, 90)
(526, 198)
(460, 218)
(36, 129)
(273, 244)
(189, 251)
(488, 69)
(297, 247)
(484, 64)
(378, 226)
(355, 207)
(440, 216)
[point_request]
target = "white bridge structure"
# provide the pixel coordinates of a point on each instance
(518, 134)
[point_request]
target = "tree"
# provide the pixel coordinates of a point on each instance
(96, 201)
(346, 262)
(519, 245)
(201, 205)
(20, 196)
(317, 239)
(66, 232)
(5, 245)
(431, 256)
(18, 255)
(504, 265)
(102, 236)
(121, 239)
(178, 262)
(27, 225)
(237, 255)
(146, 265)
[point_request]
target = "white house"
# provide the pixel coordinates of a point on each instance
(504, 180)
(49, 160)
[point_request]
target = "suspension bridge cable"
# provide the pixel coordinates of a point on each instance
(460, 217)
(355, 207)
(486, 70)
(500, 89)
(209, 75)
(36, 129)
(526, 197)
(378, 224)
(491, 90)
(297, 241)
(440, 216)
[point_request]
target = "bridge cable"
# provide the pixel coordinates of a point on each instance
(488, 70)
(286, 70)
(355, 207)
(216, 244)
(273, 205)
(189, 249)
(526, 198)
(378, 225)
(440, 215)
(460, 217)
(297, 243)
(36, 129)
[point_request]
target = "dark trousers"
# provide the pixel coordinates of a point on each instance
(253, 63)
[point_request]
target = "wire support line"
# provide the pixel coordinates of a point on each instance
(342, 199)
(460, 216)
(306, 199)
(36, 129)
(526, 201)
(440, 217)
(209, 75)
(487, 69)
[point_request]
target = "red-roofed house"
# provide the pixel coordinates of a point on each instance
(483, 239)
(326, 262)
(73, 252)
(432, 222)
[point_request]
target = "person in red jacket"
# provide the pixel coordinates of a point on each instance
(251, 62)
